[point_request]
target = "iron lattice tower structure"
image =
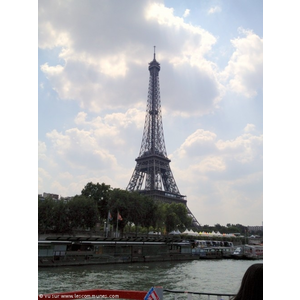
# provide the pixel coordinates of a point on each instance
(152, 174)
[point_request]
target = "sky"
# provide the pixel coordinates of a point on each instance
(91, 56)
(92, 94)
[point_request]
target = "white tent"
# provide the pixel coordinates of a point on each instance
(175, 232)
(190, 232)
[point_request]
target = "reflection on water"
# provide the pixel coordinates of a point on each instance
(219, 276)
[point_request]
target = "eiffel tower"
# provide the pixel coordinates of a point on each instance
(152, 175)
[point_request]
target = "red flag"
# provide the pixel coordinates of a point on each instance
(119, 217)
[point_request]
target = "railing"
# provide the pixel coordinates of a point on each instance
(136, 295)
(189, 295)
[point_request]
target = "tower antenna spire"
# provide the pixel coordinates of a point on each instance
(154, 52)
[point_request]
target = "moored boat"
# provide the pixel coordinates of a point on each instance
(77, 251)
(212, 249)
(248, 252)
(208, 253)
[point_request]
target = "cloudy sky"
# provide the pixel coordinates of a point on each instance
(93, 82)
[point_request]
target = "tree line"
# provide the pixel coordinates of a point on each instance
(229, 228)
(99, 203)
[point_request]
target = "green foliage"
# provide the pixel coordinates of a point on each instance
(175, 216)
(100, 193)
(96, 200)
(82, 212)
(60, 217)
(149, 212)
(133, 207)
(119, 202)
(229, 228)
(138, 211)
(45, 215)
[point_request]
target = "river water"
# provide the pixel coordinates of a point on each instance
(212, 276)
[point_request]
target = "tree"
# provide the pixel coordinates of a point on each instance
(133, 207)
(160, 216)
(61, 219)
(82, 212)
(171, 220)
(233, 229)
(218, 227)
(175, 216)
(119, 202)
(45, 215)
(100, 193)
(181, 211)
(149, 212)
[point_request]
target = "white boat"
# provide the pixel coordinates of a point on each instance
(248, 252)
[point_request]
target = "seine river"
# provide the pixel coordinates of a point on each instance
(212, 276)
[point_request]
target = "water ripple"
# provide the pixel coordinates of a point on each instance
(220, 276)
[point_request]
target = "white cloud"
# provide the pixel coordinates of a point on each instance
(186, 13)
(197, 41)
(114, 66)
(65, 175)
(243, 149)
(80, 118)
(90, 65)
(221, 177)
(199, 143)
(80, 149)
(42, 149)
(245, 68)
(43, 178)
(214, 9)
(249, 128)
(89, 152)
(203, 151)
(111, 128)
(43, 173)
(49, 36)
(210, 164)
(80, 156)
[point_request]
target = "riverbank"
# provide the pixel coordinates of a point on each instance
(54, 251)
